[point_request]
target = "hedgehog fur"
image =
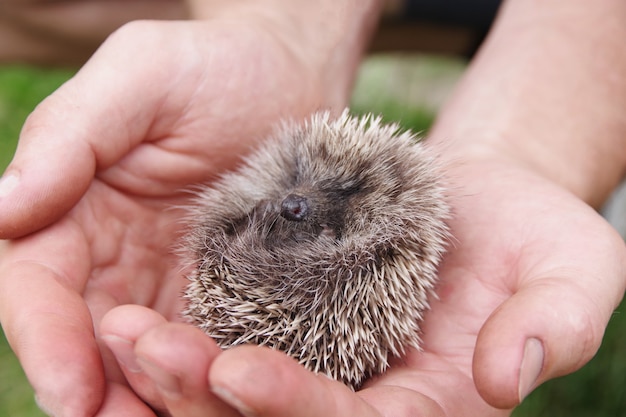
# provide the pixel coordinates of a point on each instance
(324, 244)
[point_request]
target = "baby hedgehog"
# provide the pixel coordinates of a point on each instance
(324, 245)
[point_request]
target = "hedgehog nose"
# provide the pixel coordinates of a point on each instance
(294, 208)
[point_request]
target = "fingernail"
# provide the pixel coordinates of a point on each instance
(8, 183)
(166, 382)
(229, 398)
(532, 364)
(124, 351)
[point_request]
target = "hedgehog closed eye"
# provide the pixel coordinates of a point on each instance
(325, 244)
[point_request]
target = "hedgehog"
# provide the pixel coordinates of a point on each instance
(324, 244)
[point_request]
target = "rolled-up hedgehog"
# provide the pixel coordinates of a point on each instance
(324, 244)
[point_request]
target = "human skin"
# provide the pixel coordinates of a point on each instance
(527, 288)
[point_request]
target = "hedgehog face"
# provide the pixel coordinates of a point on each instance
(300, 216)
(313, 210)
(328, 187)
(324, 245)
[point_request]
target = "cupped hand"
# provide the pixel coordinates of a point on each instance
(526, 292)
(101, 166)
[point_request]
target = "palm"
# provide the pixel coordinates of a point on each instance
(128, 217)
(505, 221)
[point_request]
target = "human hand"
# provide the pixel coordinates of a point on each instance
(520, 302)
(101, 167)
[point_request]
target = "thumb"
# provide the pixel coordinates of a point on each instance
(89, 123)
(49, 173)
(550, 327)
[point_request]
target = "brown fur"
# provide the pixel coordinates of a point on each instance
(341, 278)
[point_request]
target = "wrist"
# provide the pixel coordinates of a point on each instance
(326, 37)
(589, 172)
(546, 92)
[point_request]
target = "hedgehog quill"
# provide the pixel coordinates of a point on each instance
(325, 244)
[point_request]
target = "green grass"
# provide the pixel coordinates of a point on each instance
(595, 391)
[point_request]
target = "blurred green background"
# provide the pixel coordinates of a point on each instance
(407, 89)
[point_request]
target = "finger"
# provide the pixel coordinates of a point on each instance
(88, 124)
(165, 364)
(37, 190)
(262, 382)
(551, 326)
(121, 401)
(177, 357)
(47, 322)
(120, 329)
